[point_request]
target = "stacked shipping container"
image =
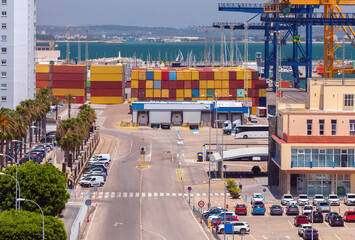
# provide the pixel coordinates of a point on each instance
(191, 84)
(43, 76)
(107, 84)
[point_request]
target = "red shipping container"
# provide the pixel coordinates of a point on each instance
(187, 84)
(240, 84)
(134, 92)
(164, 84)
(69, 69)
(42, 84)
(250, 92)
(78, 99)
(285, 84)
(172, 93)
(108, 92)
(157, 99)
(195, 84)
(148, 99)
(108, 84)
(233, 92)
(172, 84)
(210, 75)
(128, 84)
(172, 99)
(165, 75)
(179, 84)
(233, 84)
(68, 77)
(203, 75)
(141, 83)
(255, 101)
(232, 75)
(254, 75)
(255, 93)
(69, 84)
(43, 76)
(141, 93)
(165, 99)
(188, 99)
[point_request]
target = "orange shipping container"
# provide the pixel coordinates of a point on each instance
(225, 84)
(69, 69)
(134, 84)
(210, 84)
(165, 93)
(142, 75)
(179, 75)
(187, 93)
(42, 84)
(187, 75)
(134, 74)
(217, 75)
(157, 93)
(225, 75)
(203, 84)
(218, 92)
(149, 93)
(180, 93)
(157, 75)
(225, 93)
(218, 84)
(195, 75)
(66, 91)
(203, 93)
(106, 100)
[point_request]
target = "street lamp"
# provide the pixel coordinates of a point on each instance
(225, 209)
(1, 173)
(45, 141)
(22, 200)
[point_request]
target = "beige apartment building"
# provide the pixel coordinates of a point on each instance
(312, 146)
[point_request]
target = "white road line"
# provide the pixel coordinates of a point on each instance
(107, 194)
(186, 194)
(100, 194)
(264, 237)
(198, 194)
(155, 194)
(143, 194)
(93, 195)
(288, 237)
(162, 194)
(204, 194)
(290, 224)
(345, 225)
(113, 195)
(131, 194)
(216, 194)
(137, 194)
(180, 194)
(252, 237)
(191, 195)
(337, 236)
(222, 194)
(167, 194)
(149, 194)
(228, 194)
(124, 194)
(119, 194)
(173, 194)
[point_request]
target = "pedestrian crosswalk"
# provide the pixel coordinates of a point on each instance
(105, 195)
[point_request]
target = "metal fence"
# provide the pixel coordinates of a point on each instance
(78, 222)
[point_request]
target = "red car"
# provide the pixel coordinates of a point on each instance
(241, 209)
(301, 219)
(229, 219)
(349, 216)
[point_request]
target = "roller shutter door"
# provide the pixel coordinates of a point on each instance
(159, 116)
(192, 116)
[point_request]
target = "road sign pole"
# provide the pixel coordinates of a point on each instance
(189, 197)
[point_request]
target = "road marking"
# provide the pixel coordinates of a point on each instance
(222, 194)
(252, 237)
(149, 194)
(180, 194)
(119, 194)
(100, 194)
(113, 195)
(124, 194)
(198, 194)
(155, 194)
(204, 194)
(167, 194)
(137, 194)
(186, 195)
(131, 194)
(337, 236)
(173, 194)
(143, 194)
(162, 194)
(345, 225)
(94, 195)
(288, 237)
(216, 194)
(290, 224)
(116, 224)
(265, 237)
(191, 194)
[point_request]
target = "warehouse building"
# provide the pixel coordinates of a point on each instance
(186, 113)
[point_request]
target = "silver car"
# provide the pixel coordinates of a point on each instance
(302, 200)
(286, 198)
(318, 198)
(323, 206)
(333, 200)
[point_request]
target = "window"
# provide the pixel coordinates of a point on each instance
(334, 127)
(3, 86)
(3, 74)
(3, 38)
(309, 127)
(4, 50)
(3, 62)
(3, 14)
(3, 1)
(352, 128)
(348, 100)
(3, 98)
(321, 127)
(3, 26)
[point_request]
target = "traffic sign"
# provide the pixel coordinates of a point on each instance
(189, 188)
(201, 204)
(87, 202)
(264, 190)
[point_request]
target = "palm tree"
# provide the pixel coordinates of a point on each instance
(7, 131)
(56, 101)
(69, 98)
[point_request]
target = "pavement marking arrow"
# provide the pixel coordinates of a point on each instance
(119, 194)
(124, 194)
(116, 224)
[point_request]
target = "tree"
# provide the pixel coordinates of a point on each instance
(28, 225)
(56, 101)
(42, 183)
(69, 99)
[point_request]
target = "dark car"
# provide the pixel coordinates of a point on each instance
(276, 210)
(307, 234)
(51, 133)
(96, 166)
(292, 210)
(48, 139)
(336, 221)
(317, 217)
(35, 159)
(329, 215)
(215, 211)
(241, 209)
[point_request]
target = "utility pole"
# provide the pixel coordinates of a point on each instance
(343, 63)
(246, 26)
(79, 47)
(222, 48)
(277, 78)
(232, 47)
(213, 46)
(206, 45)
(67, 27)
(86, 47)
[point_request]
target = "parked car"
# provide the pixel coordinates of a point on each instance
(227, 219)
(318, 198)
(220, 215)
(101, 164)
(286, 198)
(92, 175)
(316, 217)
(302, 228)
(34, 158)
(88, 168)
(336, 221)
(95, 171)
(292, 210)
(307, 234)
(349, 199)
(101, 156)
(100, 160)
(241, 209)
(333, 200)
(258, 209)
(302, 200)
(307, 209)
(329, 215)
(43, 147)
(238, 227)
(257, 197)
(50, 133)
(205, 213)
(349, 216)
(276, 210)
(48, 139)
(323, 206)
(300, 219)
(92, 181)
(213, 212)
(292, 203)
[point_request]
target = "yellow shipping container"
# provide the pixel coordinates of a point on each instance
(218, 92)
(187, 93)
(217, 75)
(225, 75)
(240, 99)
(149, 84)
(253, 110)
(134, 99)
(106, 69)
(157, 75)
(66, 91)
(225, 92)
(149, 93)
(225, 84)
(179, 75)
(195, 75)
(218, 84)
(43, 68)
(134, 84)
(240, 74)
(134, 75)
(179, 93)
(142, 75)
(106, 100)
(262, 92)
(203, 98)
(187, 75)
(203, 84)
(106, 77)
(180, 99)
(210, 98)
(195, 99)
(157, 93)
(249, 84)
(210, 84)
(165, 93)
(203, 93)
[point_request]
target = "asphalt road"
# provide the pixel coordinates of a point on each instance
(142, 204)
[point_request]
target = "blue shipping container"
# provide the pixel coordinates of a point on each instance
(195, 93)
(157, 84)
(150, 75)
(172, 75)
(262, 101)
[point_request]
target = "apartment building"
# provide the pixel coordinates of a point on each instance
(17, 66)
(312, 146)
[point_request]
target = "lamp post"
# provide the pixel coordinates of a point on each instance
(22, 200)
(225, 199)
(1, 173)
(45, 141)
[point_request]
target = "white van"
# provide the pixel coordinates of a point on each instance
(104, 156)
(92, 181)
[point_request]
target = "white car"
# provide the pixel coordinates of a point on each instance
(286, 198)
(221, 215)
(307, 209)
(292, 203)
(238, 227)
(100, 156)
(349, 199)
(257, 197)
(333, 200)
(318, 198)
(302, 228)
(302, 199)
(104, 161)
(92, 181)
